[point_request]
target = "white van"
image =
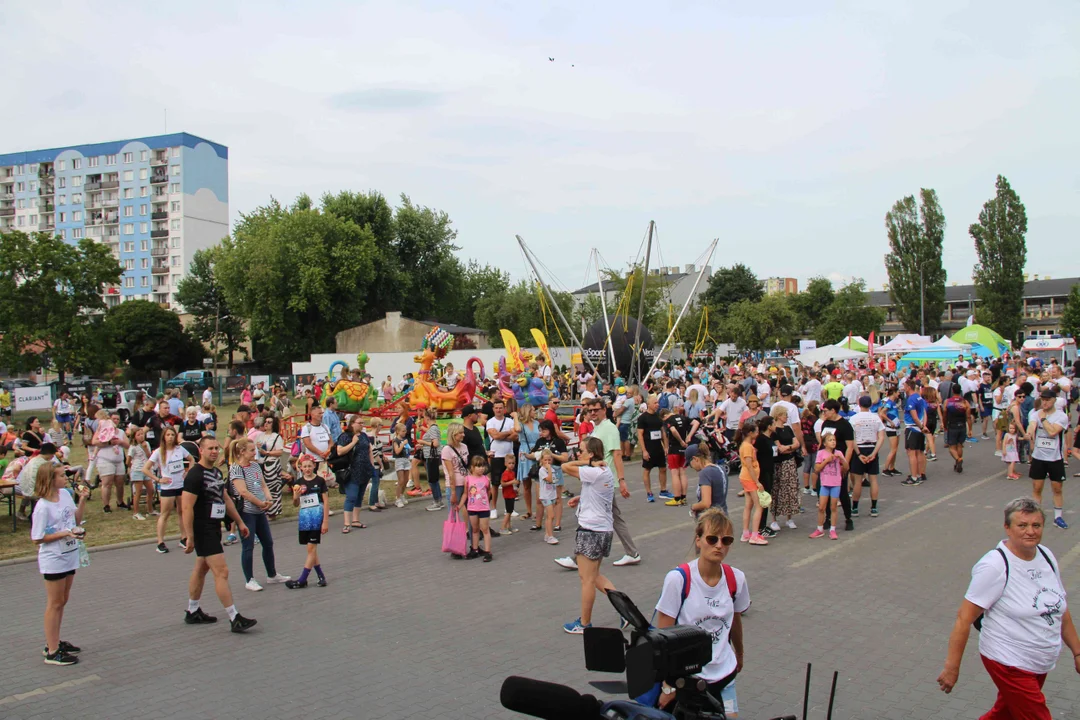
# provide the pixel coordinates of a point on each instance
(1060, 348)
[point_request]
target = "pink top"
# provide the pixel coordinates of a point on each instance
(830, 474)
(476, 492)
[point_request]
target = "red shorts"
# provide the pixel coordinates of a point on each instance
(676, 461)
(1019, 693)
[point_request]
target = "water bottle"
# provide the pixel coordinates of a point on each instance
(84, 556)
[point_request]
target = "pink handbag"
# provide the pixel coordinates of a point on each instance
(454, 534)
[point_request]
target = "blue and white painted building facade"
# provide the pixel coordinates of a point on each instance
(154, 201)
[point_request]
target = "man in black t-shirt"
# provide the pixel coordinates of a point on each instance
(834, 423)
(654, 446)
(205, 504)
(473, 440)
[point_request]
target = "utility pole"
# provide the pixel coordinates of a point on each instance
(686, 305)
(603, 307)
(558, 310)
(634, 364)
(922, 301)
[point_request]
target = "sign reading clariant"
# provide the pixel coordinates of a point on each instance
(32, 398)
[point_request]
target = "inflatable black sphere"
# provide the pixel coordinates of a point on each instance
(622, 341)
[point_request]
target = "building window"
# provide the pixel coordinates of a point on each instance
(20, 187)
(144, 228)
(143, 209)
(175, 169)
(144, 281)
(22, 221)
(129, 229)
(174, 188)
(33, 168)
(129, 211)
(129, 246)
(176, 152)
(63, 217)
(175, 242)
(93, 162)
(175, 280)
(176, 261)
(76, 199)
(33, 185)
(129, 175)
(33, 202)
(128, 157)
(61, 165)
(76, 216)
(110, 159)
(143, 156)
(129, 264)
(76, 164)
(21, 204)
(175, 206)
(33, 219)
(144, 245)
(61, 182)
(129, 193)
(144, 191)
(143, 174)
(76, 181)
(144, 263)
(77, 233)
(129, 282)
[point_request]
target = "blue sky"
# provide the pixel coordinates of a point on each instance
(787, 131)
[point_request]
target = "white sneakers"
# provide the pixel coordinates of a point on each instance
(627, 560)
(774, 526)
(551, 540)
(566, 562)
(277, 579)
(494, 514)
(252, 585)
(791, 525)
(401, 502)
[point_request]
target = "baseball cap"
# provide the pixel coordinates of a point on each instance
(468, 410)
(786, 389)
(690, 452)
(622, 390)
(1048, 393)
(865, 401)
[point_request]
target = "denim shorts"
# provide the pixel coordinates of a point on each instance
(624, 432)
(832, 492)
(548, 503)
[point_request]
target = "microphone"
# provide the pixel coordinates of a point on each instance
(549, 701)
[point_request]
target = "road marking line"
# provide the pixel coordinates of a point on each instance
(48, 689)
(661, 531)
(1068, 558)
(907, 516)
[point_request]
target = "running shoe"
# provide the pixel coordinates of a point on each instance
(997, 453)
(550, 540)
(791, 525)
(768, 533)
(198, 618)
(321, 582)
(1060, 522)
(494, 514)
(672, 502)
(874, 512)
(757, 539)
(775, 526)
(240, 623)
(161, 548)
(232, 539)
(745, 536)
(833, 535)
(1014, 476)
(495, 533)
(472, 554)
(414, 492)
(107, 509)
(182, 542)
(910, 481)
(278, 579)
(650, 498)
(813, 493)
(296, 584)
(817, 534)
(806, 491)
(865, 482)
(64, 646)
(557, 528)
(138, 516)
(575, 627)
(514, 514)
(61, 658)
(567, 563)
(932, 457)
(984, 436)
(854, 512)
(252, 585)
(849, 525)
(666, 495)
(400, 502)
(488, 557)
(627, 560)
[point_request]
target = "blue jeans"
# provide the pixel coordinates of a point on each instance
(431, 466)
(373, 494)
(258, 525)
(354, 493)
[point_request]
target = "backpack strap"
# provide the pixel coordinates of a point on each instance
(1005, 559)
(729, 575)
(1046, 557)
(684, 570)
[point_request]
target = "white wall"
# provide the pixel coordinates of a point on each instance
(397, 364)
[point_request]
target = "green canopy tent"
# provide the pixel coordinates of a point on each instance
(981, 335)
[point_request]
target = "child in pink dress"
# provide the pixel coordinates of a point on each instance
(1010, 450)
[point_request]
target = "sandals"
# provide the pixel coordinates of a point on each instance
(346, 530)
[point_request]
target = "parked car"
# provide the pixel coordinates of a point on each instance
(10, 385)
(199, 378)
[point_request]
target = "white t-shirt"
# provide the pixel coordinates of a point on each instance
(63, 407)
(587, 395)
(852, 391)
(1045, 447)
(451, 379)
(207, 396)
(547, 487)
(320, 436)
(733, 410)
(60, 555)
(764, 393)
(501, 448)
(709, 608)
(792, 411)
(583, 378)
(597, 495)
(1007, 396)
(702, 392)
(172, 475)
(866, 425)
(1022, 624)
(812, 390)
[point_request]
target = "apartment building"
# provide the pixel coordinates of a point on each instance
(154, 201)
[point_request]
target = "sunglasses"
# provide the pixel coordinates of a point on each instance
(711, 540)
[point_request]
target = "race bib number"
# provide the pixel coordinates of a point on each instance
(307, 501)
(775, 451)
(150, 435)
(69, 544)
(175, 467)
(217, 511)
(1046, 443)
(654, 435)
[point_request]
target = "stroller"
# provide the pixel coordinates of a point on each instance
(722, 450)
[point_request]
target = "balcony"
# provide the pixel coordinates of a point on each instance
(91, 186)
(158, 269)
(159, 178)
(46, 226)
(159, 252)
(109, 184)
(110, 202)
(5, 212)
(46, 190)
(159, 233)
(112, 219)
(159, 215)
(45, 172)
(94, 219)
(46, 207)
(162, 159)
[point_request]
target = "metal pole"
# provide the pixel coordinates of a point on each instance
(922, 300)
(603, 307)
(555, 305)
(641, 307)
(689, 299)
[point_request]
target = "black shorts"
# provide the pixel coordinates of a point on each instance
(171, 493)
(858, 467)
(891, 433)
(955, 436)
(57, 576)
(480, 513)
(914, 440)
(310, 537)
(207, 540)
(1041, 469)
(656, 460)
(508, 503)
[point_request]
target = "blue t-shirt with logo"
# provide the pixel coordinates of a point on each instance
(915, 410)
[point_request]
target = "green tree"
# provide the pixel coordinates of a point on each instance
(768, 323)
(518, 310)
(810, 305)
(916, 233)
(1002, 251)
(478, 281)
(728, 286)
(299, 275)
(214, 321)
(848, 313)
(1070, 316)
(51, 302)
(588, 312)
(150, 338)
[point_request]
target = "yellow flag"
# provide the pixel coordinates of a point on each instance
(513, 352)
(541, 342)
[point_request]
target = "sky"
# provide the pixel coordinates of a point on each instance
(787, 130)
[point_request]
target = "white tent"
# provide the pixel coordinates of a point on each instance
(947, 343)
(828, 353)
(859, 339)
(905, 342)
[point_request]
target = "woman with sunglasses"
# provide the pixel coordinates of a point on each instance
(717, 597)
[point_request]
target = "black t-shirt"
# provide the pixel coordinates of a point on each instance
(764, 445)
(31, 440)
(208, 485)
(154, 425)
(475, 442)
(681, 424)
(108, 399)
(191, 431)
(487, 410)
(844, 432)
(784, 436)
(652, 431)
(556, 445)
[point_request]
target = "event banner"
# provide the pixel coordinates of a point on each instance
(807, 345)
(32, 398)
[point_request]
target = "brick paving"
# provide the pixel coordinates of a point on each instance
(404, 632)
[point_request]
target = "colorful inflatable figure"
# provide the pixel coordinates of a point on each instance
(353, 394)
(426, 393)
(518, 374)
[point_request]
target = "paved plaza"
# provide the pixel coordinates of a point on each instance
(402, 631)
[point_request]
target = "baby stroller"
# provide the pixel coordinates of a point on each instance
(722, 450)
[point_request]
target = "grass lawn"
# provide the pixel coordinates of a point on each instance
(118, 526)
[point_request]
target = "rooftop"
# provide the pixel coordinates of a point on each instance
(155, 142)
(609, 285)
(454, 329)
(1055, 287)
